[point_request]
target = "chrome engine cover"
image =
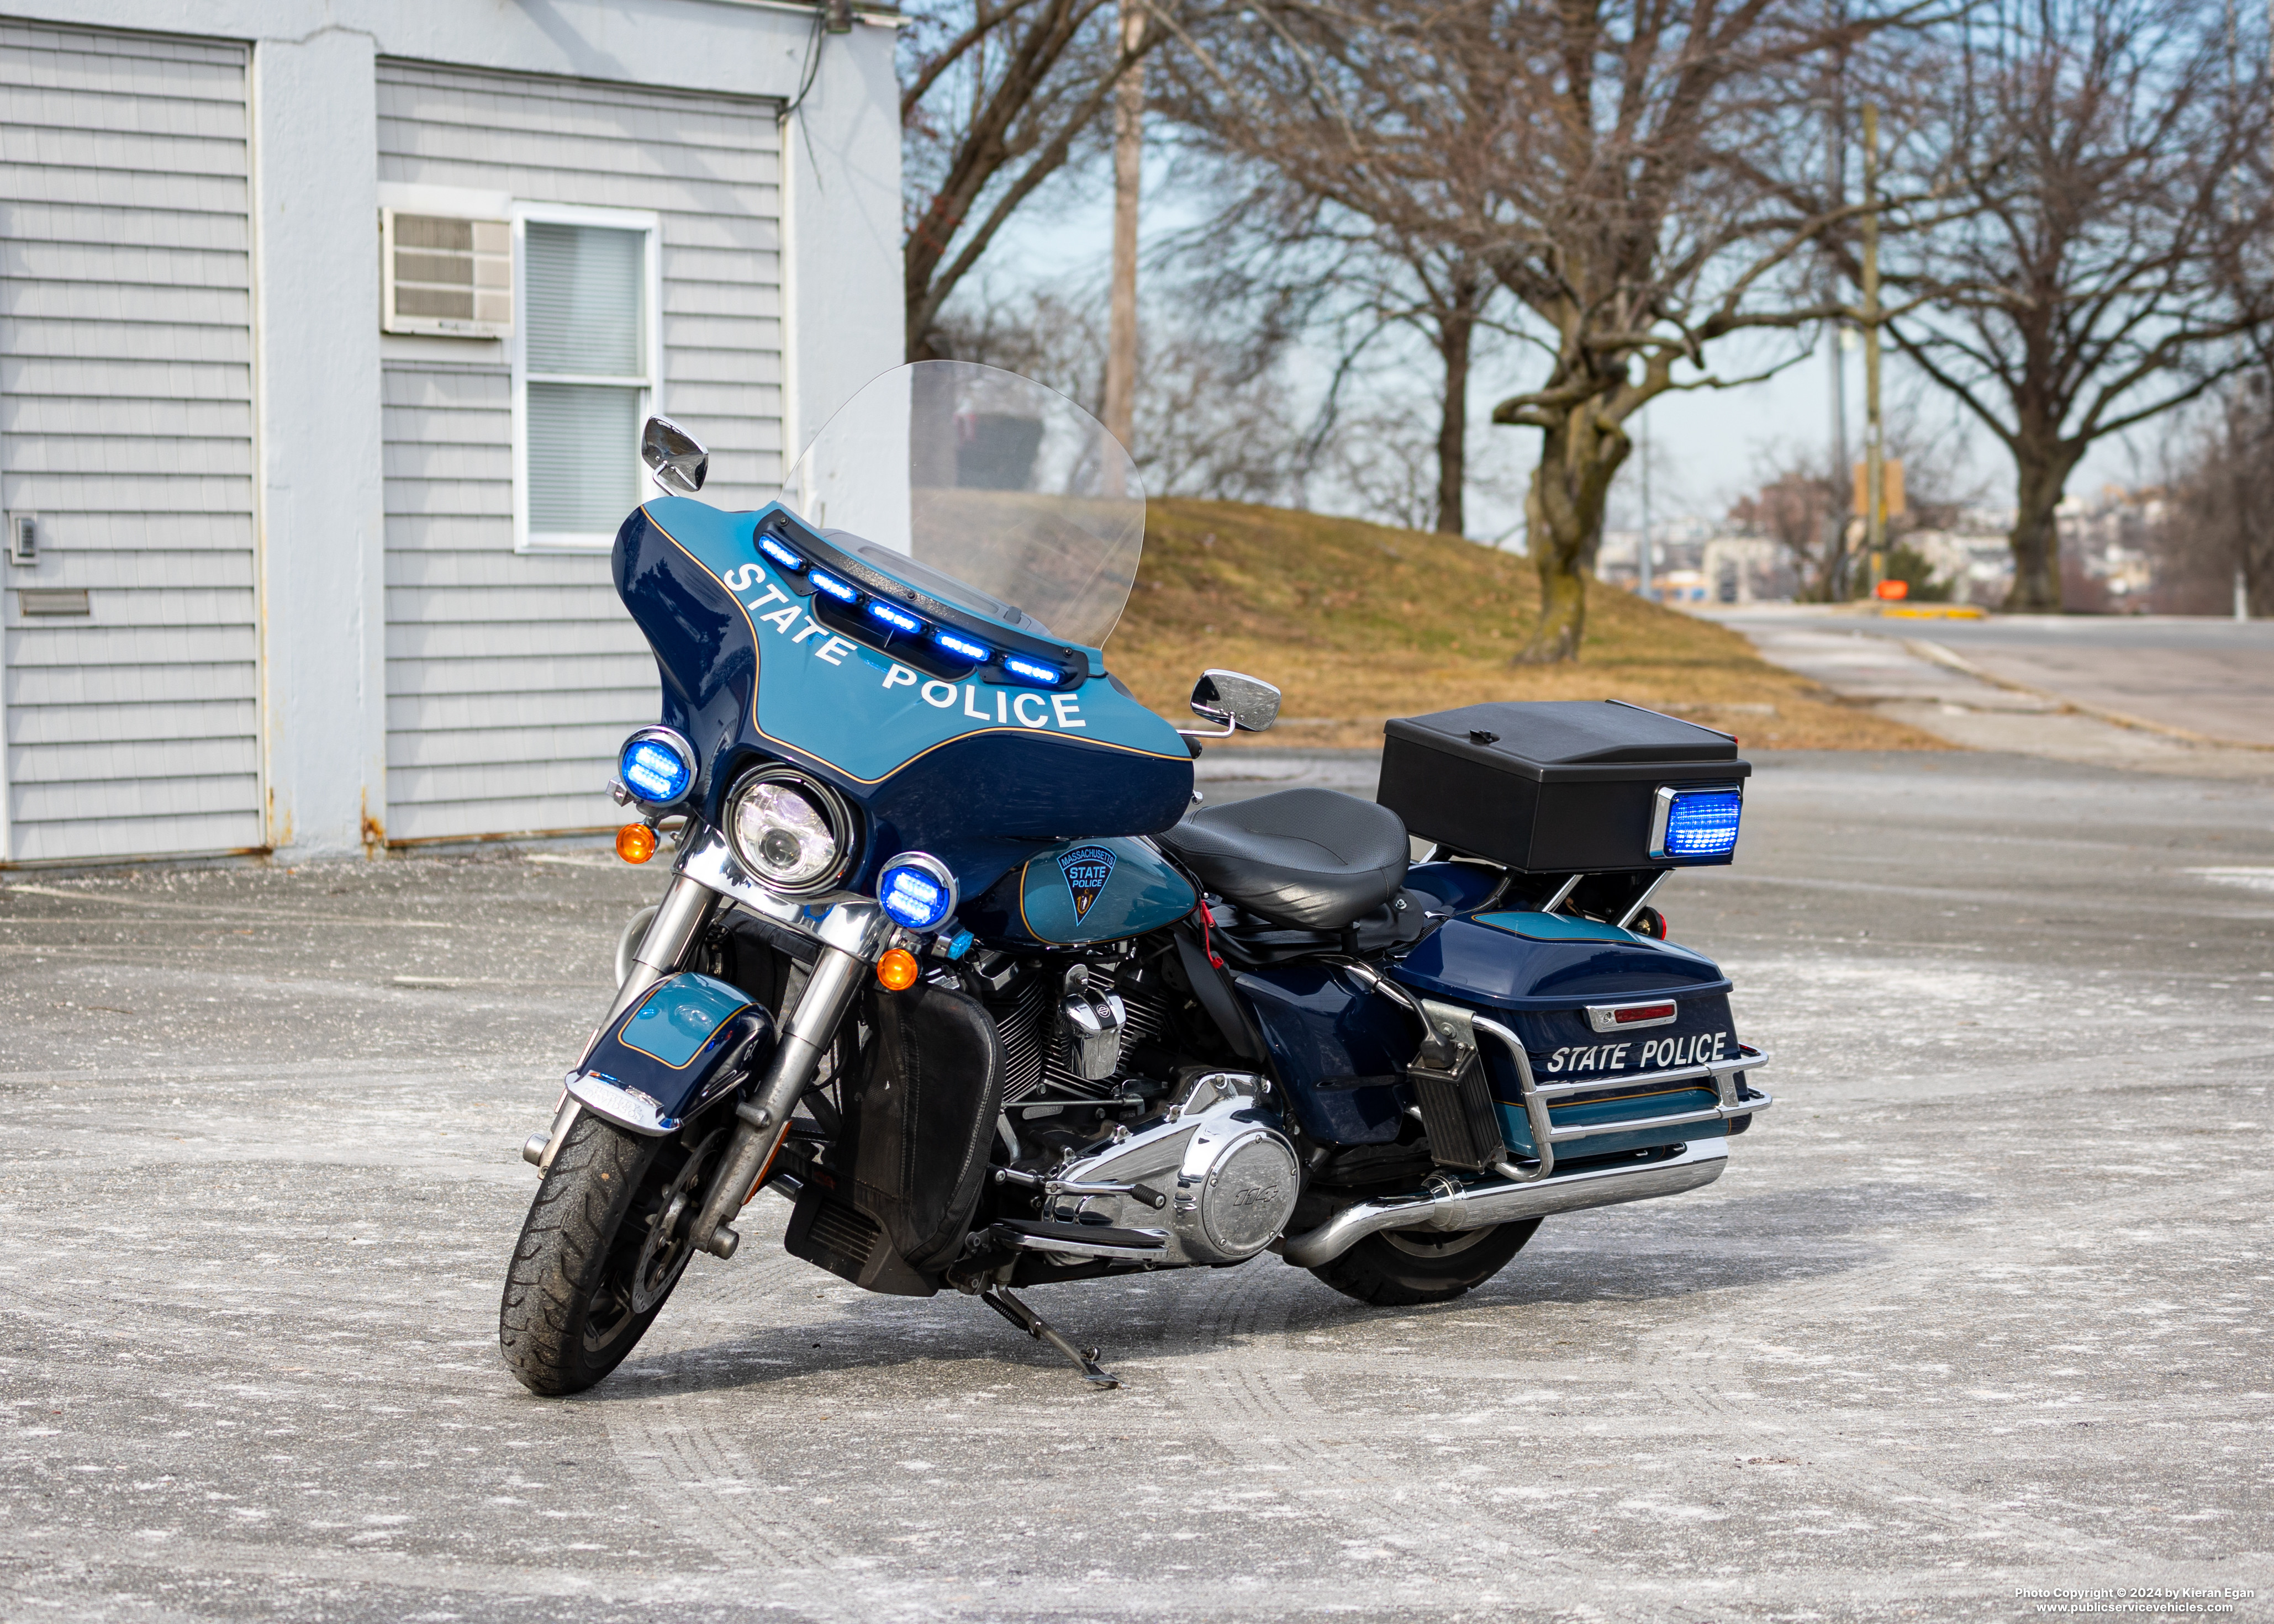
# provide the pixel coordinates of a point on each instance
(1217, 1172)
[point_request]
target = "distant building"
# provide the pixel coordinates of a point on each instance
(2108, 548)
(1748, 569)
(1978, 567)
(325, 338)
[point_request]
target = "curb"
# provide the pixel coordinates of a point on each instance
(1955, 661)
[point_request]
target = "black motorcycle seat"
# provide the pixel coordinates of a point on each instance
(1309, 858)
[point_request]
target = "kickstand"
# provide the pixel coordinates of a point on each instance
(999, 1299)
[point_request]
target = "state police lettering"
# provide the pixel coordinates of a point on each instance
(996, 707)
(1659, 1054)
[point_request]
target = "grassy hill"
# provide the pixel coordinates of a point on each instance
(1358, 622)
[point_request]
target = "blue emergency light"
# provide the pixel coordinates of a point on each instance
(1695, 824)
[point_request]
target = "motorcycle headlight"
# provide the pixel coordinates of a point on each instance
(792, 833)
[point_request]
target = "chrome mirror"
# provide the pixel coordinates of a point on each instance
(677, 458)
(1235, 701)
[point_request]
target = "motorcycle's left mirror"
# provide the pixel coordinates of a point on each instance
(1236, 700)
(677, 458)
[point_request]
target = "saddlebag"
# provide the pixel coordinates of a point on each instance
(919, 1123)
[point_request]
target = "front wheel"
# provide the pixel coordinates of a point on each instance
(1399, 1268)
(606, 1239)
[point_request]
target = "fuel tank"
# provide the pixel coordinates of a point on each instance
(1078, 892)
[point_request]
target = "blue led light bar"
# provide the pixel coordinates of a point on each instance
(899, 620)
(780, 555)
(1703, 823)
(917, 890)
(1048, 676)
(655, 768)
(838, 590)
(963, 647)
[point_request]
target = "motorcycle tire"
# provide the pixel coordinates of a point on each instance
(587, 1279)
(1401, 1268)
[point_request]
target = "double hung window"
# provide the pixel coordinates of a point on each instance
(586, 366)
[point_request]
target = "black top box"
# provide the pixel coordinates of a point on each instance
(1564, 786)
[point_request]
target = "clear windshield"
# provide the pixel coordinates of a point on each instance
(984, 488)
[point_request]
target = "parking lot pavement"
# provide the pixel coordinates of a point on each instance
(1980, 1307)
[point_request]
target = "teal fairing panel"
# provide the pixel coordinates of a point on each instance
(974, 771)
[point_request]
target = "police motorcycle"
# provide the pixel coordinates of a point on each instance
(953, 959)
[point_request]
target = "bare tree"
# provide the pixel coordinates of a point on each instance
(1613, 165)
(2219, 530)
(2112, 151)
(1801, 505)
(1808, 503)
(997, 97)
(1211, 415)
(1252, 94)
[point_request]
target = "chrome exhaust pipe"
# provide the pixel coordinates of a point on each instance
(1449, 1204)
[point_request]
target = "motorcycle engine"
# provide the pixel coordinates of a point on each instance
(1213, 1174)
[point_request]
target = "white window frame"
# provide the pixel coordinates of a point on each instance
(650, 385)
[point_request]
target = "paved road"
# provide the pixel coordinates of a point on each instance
(2208, 676)
(1981, 1305)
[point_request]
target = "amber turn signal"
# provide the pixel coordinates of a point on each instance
(897, 970)
(636, 843)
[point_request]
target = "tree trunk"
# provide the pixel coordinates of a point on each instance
(1457, 328)
(1564, 515)
(2035, 539)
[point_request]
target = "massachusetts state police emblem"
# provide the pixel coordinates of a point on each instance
(1087, 868)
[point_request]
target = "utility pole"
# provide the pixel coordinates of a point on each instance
(1875, 465)
(1643, 585)
(1128, 175)
(1836, 543)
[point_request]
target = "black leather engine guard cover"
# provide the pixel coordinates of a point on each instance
(919, 1123)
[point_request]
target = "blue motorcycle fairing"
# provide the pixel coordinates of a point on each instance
(1076, 892)
(974, 771)
(691, 1041)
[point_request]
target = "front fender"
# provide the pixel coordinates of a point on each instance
(691, 1041)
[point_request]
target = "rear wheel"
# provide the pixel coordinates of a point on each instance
(1397, 1268)
(606, 1239)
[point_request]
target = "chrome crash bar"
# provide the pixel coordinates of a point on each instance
(1721, 1075)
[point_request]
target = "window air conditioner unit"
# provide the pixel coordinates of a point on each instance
(445, 277)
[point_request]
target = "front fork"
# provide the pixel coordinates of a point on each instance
(850, 935)
(686, 908)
